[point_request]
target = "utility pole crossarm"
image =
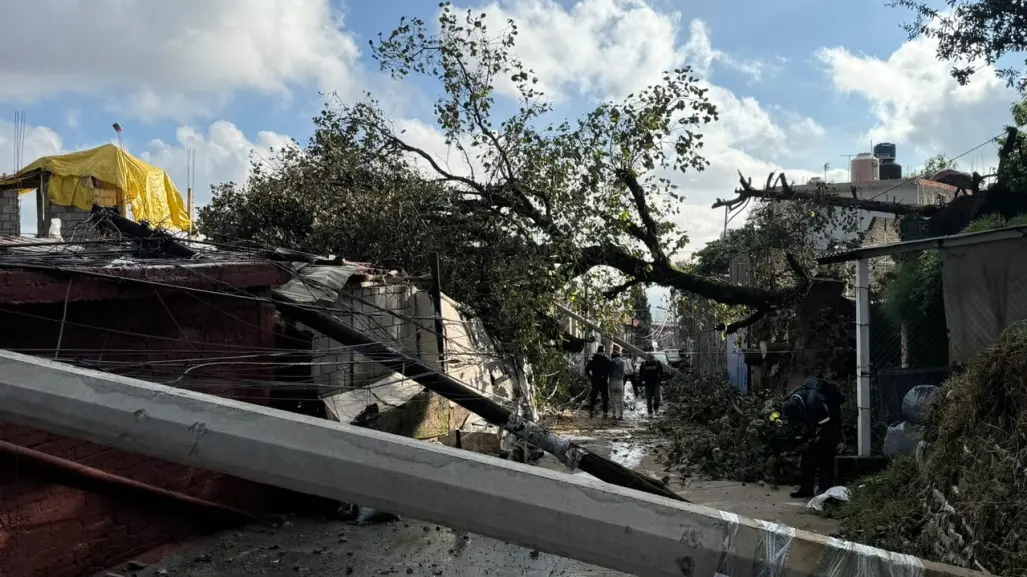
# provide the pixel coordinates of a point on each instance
(583, 519)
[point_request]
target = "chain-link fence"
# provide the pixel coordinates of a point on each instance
(703, 341)
(935, 309)
(908, 334)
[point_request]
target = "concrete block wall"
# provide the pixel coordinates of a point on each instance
(10, 213)
(70, 217)
(48, 528)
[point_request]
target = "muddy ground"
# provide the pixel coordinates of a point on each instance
(407, 547)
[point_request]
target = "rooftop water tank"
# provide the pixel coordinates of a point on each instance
(865, 168)
(890, 170)
(884, 150)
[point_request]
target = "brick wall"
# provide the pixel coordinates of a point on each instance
(10, 217)
(47, 528)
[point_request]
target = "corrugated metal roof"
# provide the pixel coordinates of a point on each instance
(940, 242)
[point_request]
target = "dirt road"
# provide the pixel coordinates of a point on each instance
(631, 443)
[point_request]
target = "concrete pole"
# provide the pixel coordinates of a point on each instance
(595, 326)
(863, 355)
(580, 518)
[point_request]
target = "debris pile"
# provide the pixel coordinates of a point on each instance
(717, 432)
(976, 450)
(886, 510)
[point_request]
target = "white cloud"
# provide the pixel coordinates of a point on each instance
(916, 103)
(601, 48)
(222, 154)
(610, 48)
(173, 59)
(699, 52)
(36, 141)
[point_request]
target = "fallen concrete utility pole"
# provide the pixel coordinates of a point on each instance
(580, 518)
(619, 341)
(467, 397)
(595, 326)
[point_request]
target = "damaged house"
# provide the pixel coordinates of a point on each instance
(395, 311)
(204, 321)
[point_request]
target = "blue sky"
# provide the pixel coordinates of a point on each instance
(799, 83)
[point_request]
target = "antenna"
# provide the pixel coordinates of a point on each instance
(121, 139)
(849, 158)
(124, 193)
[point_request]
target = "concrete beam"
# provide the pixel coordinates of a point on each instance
(583, 519)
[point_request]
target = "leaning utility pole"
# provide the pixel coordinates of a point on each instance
(560, 514)
(431, 378)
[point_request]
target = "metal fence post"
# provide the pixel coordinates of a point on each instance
(863, 354)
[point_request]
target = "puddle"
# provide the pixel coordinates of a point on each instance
(627, 455)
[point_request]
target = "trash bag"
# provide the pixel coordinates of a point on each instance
(828, 497)
(917, 401)
(901, 439)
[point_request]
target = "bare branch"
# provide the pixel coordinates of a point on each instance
(664, 274)
(435, 165)
(771, 192)
(615, 291)
(750, 320)
(650, 233)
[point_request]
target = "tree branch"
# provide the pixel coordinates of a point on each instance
(615, 291)
(650, 233)
(478, 188)
(770, 192)
(666, 275)
(750, 320)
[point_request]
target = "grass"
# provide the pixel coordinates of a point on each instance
(886, 510)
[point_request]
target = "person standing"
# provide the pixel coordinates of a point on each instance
(650, 372)
(629, 375)
(814, 411)
(617, 372)
(598, 372)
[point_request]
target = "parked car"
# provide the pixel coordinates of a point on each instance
(674, 358)
(665, 361)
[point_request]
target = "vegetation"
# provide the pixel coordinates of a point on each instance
(716, 432)
(936, 164)
(971, 33)
(640, 311)
(886, 510)
(544, 211)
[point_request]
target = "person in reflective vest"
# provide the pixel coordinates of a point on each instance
(813, 411)
(650, 372)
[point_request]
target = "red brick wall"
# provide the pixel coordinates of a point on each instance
(48, 529)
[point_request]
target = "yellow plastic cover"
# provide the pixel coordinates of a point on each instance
(146, 188)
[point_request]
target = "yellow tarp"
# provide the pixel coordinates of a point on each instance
(146, 188)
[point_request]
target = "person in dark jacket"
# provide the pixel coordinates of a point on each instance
(814, 411)
(598, 372)
(650, 372)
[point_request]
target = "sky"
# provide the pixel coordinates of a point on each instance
(799, 84)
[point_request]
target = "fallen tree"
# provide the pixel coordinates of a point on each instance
(824, 194)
